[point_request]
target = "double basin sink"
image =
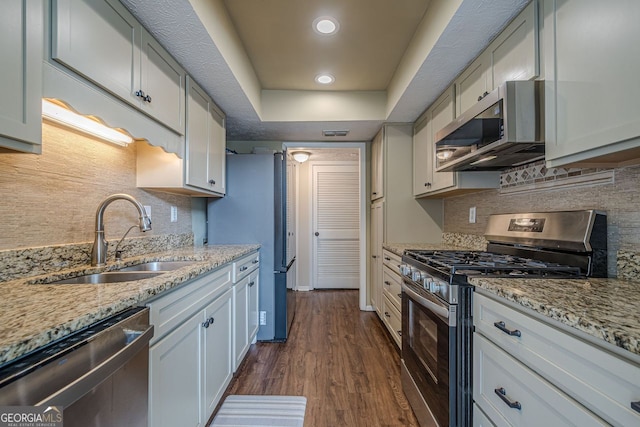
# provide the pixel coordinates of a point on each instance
(127, 274)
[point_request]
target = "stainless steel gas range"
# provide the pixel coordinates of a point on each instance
(437, 324)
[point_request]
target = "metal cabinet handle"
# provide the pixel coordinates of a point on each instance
(316, 234)
(386, 313)
(482, 96)
(212, 182)
(400, 295)
(147, 98)
(635, 406)
(374, 193)
(399, 333)
(208, 322)
(251, 284)
(387, 258)
(502, 394)
(374, 256)
(139, 94)
(243, 268)
(427, 184)
(386, 282)
(255, 261)
(500, 325)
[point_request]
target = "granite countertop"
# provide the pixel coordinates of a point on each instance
(34, 313)
(607, 309)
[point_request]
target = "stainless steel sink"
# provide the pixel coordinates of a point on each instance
(158, 266)
(108, 277)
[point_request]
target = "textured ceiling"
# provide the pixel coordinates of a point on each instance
(184, 34)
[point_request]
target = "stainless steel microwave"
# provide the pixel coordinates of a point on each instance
(504, 129)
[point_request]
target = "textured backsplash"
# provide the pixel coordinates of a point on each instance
(51, 199)
(620, 199)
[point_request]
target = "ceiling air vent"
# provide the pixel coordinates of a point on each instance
(335, 132)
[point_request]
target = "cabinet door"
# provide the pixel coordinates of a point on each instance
(217, 156)
(100, 40)
(514, 54)
(240, 318)
(217, 352)
(21, 35)
(377, 166)
(377, 235)
(442, 113)
(254, 287)
(422, 165)
(163, 82)
(174, 377)
(592, 64)
(472, 83)
(197, 137)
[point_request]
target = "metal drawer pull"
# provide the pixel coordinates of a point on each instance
(386, 282)
(255, 261)
(386, 313)
(400, 295)
(502, 394)
(251, 284)
(243, 268)
(399, 333)
(500, 325)
(387, 258)
(635, 406)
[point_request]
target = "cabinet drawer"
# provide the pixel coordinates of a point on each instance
(603, 382)
(245, 265)
(513, 395)
(392, 287)
(391, 260)
(480, 419)
(169, 311)
(392, 319)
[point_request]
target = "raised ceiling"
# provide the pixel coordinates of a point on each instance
(391, 59)
(286, 53)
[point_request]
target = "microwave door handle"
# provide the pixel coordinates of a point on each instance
(433, 306)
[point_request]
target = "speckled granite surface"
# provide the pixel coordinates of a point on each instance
(608, 309)
(33, 313)
(628, 265)
(19, 263)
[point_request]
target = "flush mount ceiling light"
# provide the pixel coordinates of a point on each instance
(58, 113)
(325, 79)
(301, 156)
(325, 25)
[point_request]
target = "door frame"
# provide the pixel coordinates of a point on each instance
(362, 152)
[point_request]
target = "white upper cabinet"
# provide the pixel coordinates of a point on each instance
(377, 167)
(513, 55)
(21, 48)
(206, 142)
(102, 41)
(202, 171)
(592, 64)
(426, 181)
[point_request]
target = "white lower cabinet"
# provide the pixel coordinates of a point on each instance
(245, 305)
(556, 377)
(190, 358)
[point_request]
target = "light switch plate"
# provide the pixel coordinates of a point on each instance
(472, 215)
(174, 214)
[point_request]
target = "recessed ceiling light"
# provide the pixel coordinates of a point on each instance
(325, 79)
(326, 25)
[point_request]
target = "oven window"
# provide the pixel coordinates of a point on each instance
(423, 339)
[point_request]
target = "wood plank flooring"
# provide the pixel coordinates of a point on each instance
(339, 358)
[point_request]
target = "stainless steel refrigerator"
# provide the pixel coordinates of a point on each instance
(254, 210)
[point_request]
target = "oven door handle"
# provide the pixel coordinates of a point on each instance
(433, 306)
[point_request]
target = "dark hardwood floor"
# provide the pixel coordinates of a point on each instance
(338, 357)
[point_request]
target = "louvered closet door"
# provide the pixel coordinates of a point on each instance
(336, 223)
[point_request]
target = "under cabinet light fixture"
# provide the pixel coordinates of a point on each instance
(335, 132)
(55, 111)
(300, 156)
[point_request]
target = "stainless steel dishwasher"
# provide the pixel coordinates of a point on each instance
(98, 375)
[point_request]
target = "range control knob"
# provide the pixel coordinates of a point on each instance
(405, 270)
(417, 276)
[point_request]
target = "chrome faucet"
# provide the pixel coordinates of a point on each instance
(99, 250)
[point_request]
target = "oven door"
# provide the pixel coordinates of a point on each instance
(429, 356)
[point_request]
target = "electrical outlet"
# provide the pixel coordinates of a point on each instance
(472, 215)
(263, 317)
(147, 210)
(174, 214)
